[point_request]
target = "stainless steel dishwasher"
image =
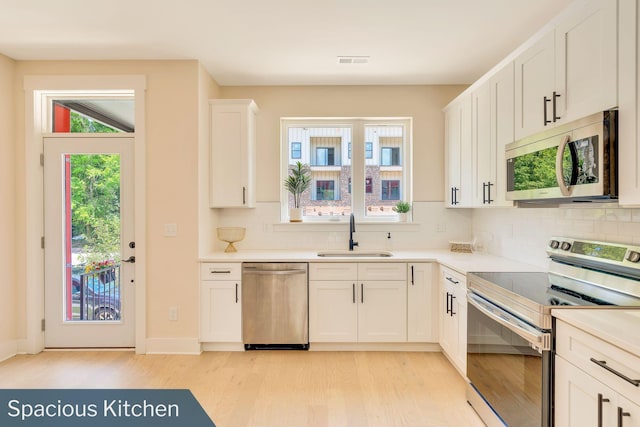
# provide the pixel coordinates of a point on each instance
(275, 305)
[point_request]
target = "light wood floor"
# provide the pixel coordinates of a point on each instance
(272, 388)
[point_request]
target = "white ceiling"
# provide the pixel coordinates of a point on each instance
(282, 42)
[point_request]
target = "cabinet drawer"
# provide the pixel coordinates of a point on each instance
(220, 271)
(382, 271)
(333, 271)
(453, 277)
(579, 347)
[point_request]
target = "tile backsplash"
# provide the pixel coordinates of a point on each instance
(432, 227)
(516, 233)
(522, 233)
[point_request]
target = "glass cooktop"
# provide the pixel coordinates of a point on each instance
(540, 288)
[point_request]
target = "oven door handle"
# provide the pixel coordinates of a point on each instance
(540, 341)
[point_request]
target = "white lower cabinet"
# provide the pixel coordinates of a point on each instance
(422, 297)
(588, 390)
(220, 302)
(453, 317)
(358, 302)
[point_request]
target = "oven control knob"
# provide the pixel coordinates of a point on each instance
(565, 246)
(554, 244)
(633, 256)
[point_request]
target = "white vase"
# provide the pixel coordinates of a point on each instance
(295, 214)
(402, 217)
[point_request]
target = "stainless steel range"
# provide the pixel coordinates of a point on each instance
(510, 337)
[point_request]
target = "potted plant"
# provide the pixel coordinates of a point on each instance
(298, 181)
(402, 208)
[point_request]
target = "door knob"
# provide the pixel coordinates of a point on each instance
(131, 259)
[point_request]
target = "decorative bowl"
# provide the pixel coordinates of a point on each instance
(230, 235)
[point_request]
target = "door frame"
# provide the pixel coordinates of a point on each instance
(38, 90)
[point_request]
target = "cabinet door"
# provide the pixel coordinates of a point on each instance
(232, 133)
(220, 311)
(382, 312)
(448, 322)
(629, 128)
(534, 80)
(484, 151)
(333, 311)
(580, 400)
(453, 328)
(586, 60)
(458, 162)
(502, 119)
(422, 304)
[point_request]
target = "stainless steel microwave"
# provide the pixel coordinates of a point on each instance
(573, 162)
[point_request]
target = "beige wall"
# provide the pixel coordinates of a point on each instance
(423, 103)
(8, 284)
(173, 135)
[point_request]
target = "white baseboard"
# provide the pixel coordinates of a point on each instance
(173, 346)
(383, 346)
(8, 349)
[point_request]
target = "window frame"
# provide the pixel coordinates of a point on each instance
(357, 160)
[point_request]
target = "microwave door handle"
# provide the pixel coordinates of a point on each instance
(538, 340)
(564, 188)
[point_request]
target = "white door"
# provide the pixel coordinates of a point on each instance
(88, 198)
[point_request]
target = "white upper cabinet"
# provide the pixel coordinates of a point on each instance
(534, 81)
(571, 71)
(458, 153)
(629, 128)
(233, 142)
(492, 129)
(586, 60)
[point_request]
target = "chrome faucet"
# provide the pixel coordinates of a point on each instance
(352, 229)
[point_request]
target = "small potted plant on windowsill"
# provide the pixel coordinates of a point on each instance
(298, 181)
(402, 208)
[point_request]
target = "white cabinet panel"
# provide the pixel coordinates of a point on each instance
(220, 302)
(453, 317)
(232, 156)
(220, 311)
(382, 313)
(333, 311)
(586, 59)
(422, 304)
(534, 81)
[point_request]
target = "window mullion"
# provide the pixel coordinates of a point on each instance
(357, 169)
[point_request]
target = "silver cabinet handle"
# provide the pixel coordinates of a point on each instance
(362, 293)
(220, 271)
(354, 293)
(603, 364)
(455, 282)
(236, 293)
(412, 278)
(555, 97)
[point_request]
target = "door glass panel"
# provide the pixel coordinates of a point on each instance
(92, 237)
(93, 115)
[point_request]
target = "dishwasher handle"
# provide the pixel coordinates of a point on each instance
(274, 272)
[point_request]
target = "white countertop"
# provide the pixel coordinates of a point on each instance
(618, 326)
(461, 262)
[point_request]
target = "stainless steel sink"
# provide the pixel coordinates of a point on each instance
(355, 253)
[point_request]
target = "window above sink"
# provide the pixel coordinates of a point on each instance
(359, 166)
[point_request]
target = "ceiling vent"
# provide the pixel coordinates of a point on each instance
(353, 59)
